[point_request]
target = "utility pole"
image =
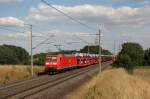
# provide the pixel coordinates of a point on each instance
(97, 40)
(100, 58)
(88, 48)
(31, 50)
(58, 47)
(114, 48)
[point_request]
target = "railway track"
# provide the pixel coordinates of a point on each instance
(33, 86)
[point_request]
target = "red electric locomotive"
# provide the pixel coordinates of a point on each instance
(59, 62)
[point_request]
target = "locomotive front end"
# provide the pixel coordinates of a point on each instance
(51, 61)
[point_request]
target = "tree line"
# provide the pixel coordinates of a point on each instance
(10, 54)
(95, 50)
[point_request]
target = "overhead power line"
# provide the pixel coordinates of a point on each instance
(10, 30)
(72, 42)
(81, 39)
(71, 18)
(8, 26)
(43, 42)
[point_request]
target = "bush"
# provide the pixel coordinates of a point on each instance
(131, 55)
(39, 59)
(125, 62)
(135, 52)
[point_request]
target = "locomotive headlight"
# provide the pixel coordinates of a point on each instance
(54, 63)
(47, 63)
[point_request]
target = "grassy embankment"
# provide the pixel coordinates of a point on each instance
(15, 72)
(116, 84)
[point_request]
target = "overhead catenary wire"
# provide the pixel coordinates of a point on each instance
(70, 17)
(11, 30)
(88, 50)
(72, 42)
(81, 39)
(8, 26)
(41, 42)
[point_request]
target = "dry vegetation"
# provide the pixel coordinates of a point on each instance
(143, 73)
(114, 84)
(15, 72)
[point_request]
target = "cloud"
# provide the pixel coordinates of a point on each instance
(7, 1)
(116, 20)
(61, 33)
(144, 2)
(23, 35)
(11, 21)
(64, 36)
(18, 35)
(122, 16)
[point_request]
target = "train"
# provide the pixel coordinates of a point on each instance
(60, 62)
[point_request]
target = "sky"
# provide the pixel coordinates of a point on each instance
(119, 21)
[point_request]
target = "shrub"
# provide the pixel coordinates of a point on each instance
(125, 62)
(130, 55)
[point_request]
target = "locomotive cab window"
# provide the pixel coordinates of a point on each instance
(52, 58)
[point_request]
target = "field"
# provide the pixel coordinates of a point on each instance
(143, 73)
(116, 84)
(16, 72)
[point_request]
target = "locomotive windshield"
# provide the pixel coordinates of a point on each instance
(52, 58)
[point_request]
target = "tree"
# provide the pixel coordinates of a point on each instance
(94, 50)
(125, 62)
(10, 54)
(147, 57)
(131, 55)
(7, 56)
(106, 52)
(39, 59)
(135, 52)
